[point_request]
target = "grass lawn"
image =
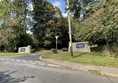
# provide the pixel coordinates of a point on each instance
(8, 54)
(95, 58)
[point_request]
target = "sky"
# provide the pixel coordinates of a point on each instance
(60, 4)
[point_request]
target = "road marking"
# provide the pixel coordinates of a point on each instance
(30, 62)
(17, 60)
(40, 63)
(53, 65)
(7, 59)
(2, 59)
(33, 63)
(24, 61)
(12, 60)
(36, 61)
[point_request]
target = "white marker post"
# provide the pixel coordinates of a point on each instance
(56, 37)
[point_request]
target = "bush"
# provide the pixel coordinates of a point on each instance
(64, 49)
(111, 51)
(54, 50)
(33, 50)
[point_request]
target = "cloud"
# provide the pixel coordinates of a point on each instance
(64, 14)
(57, 3)
(30, 6)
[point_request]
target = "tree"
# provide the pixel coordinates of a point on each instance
(48, 22)
(79, 7)
(101, 26)
(13, 15)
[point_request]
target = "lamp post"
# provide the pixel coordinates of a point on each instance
(56, 37)
(70, 31)
(0, 42)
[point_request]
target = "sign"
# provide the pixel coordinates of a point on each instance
(22, 50)
(56, 37)
(80, 45)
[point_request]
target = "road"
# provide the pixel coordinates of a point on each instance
(22, 69)
(31, 56)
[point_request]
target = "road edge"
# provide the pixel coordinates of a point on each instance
(87, 69)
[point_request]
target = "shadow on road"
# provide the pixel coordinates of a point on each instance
(6, 77)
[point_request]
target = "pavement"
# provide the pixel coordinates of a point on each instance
(106, 71)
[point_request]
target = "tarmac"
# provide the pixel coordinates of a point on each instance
(106, 71)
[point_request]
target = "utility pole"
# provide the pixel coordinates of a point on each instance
(70, 31)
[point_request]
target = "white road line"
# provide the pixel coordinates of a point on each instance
(40, 63)
(17, 60)
(12, 60)
(36, 61)
(53, 65)
(24, 61)
(31, 62)
(2, 59)
(7, 59)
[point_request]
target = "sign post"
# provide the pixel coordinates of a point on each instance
(56, 37)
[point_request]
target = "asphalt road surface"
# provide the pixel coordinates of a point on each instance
(25, 70)
(31, 56)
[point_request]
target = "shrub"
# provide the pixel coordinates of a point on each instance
(111, 51)
(64, 49)
(33, 50)
(54, 50)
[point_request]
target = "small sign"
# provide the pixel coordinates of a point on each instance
(80, 45)
(56, 37)
(22, 50)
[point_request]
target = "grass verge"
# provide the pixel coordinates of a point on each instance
(9, 54)
(95, 58)
(95, 72)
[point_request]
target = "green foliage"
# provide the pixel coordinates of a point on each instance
(13, 37)
(97, 72)
(54, 50)
(78, 6)
(13, 22)
(33, 50)
(49, 23)
(100, 27)
(64, 49)
(111, 51)
(8, 54)
(43, 15)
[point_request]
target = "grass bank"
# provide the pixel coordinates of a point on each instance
(95, 58)
(8, 54)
